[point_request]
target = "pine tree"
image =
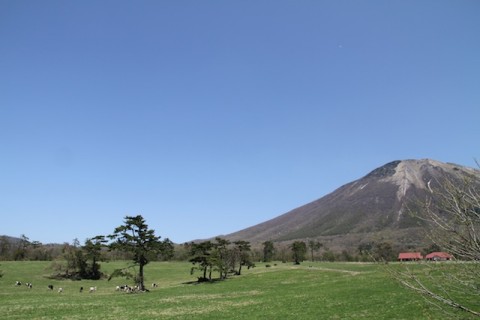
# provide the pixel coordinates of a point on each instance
(135, 237)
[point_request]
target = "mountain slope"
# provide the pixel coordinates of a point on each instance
(375, 205)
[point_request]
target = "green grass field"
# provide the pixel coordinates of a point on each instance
(284, 291)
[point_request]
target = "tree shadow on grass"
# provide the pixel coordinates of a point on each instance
(202, 281)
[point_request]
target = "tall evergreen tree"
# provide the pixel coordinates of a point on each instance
(134, 236)
(299, 249)
(201, 257)
(21, 252)
(268, 251)
(242, 251)
(314, 246)
(221, 256)
(93, 251)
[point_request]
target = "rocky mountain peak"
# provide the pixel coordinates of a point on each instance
(409, 173)
(412, 173)
(384, 171)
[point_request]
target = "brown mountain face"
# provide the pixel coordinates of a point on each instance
(375, 207)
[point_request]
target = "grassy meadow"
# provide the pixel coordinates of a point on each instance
(282, 291)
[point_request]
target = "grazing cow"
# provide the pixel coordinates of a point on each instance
(60, 290)
(81, 289)
(29, 285)
(50, 287)
(18, 283)
(93, 289)
(154, 285)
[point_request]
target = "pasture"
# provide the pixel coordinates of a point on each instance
(282, 291)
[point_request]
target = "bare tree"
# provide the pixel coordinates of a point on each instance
(451, 213)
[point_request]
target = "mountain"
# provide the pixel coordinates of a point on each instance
(375, 207)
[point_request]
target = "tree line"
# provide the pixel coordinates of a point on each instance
(24, 249)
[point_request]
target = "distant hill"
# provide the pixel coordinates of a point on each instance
(372, 208)
(10, 239)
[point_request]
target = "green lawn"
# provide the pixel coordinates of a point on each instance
(284, 291)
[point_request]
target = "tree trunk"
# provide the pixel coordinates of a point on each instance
(140, 277)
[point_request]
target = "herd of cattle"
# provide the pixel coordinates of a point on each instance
(123, 288)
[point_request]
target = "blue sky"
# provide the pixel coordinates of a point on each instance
(207, 117)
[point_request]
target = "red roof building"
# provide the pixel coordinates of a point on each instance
(410, 256)
(439, 256)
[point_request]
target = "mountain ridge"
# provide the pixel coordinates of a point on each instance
(373, 206)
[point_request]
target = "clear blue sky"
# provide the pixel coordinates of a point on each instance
(207, 117)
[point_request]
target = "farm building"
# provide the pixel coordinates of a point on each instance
(410, 256)
(439, 256)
